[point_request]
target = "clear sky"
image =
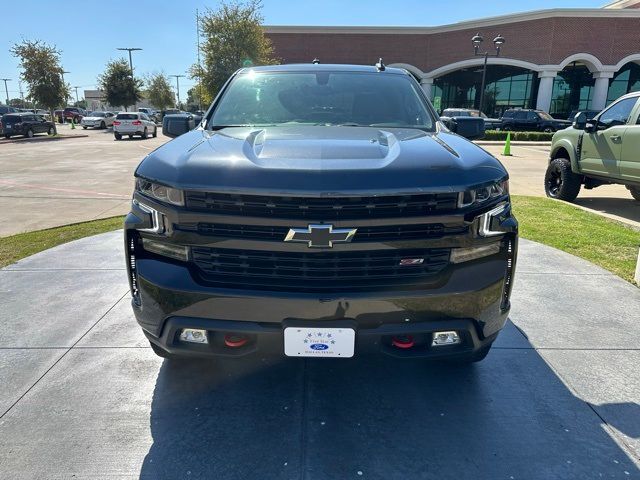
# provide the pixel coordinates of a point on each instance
(88, 32)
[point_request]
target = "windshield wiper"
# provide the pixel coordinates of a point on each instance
(220, 127)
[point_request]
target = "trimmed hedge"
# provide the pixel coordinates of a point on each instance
(518, 136)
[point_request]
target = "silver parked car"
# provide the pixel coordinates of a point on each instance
(134, 123)
(98, 120)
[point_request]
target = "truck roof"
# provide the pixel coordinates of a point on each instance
(320, 67)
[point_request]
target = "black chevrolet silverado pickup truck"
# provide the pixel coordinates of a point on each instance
(321, 211)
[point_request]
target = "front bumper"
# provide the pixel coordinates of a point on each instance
(471, 297)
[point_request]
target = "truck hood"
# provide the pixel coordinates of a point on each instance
(321, 160)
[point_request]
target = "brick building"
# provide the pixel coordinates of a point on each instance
(555, 60)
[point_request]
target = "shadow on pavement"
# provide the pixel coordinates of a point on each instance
(509, 417)
(622, 207)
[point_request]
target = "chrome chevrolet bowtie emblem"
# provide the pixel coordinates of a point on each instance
(320, 236)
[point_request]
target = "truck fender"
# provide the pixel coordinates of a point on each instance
(566, 145)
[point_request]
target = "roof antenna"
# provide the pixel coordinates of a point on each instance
(380, 65)
(316, 61)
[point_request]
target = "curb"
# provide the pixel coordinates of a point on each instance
(43, 139)
(513, 142)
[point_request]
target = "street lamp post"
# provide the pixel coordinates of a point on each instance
(66, 99)
(6, 90)
(477, 42)
(76, 87)
(178, 77)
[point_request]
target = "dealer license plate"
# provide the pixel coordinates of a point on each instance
(319, 342)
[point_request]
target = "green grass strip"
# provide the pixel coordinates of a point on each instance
(21, 245)
(607, 243)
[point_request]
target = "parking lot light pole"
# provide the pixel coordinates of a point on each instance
(76, 87)
(6, 90)
(130, 49)
(133, 85)
(178, 77)
(477, 42)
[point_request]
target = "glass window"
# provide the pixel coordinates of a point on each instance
(618, 113)
(127, 116)
(326, 98)
(506, 87)
(626, 80)
(572, 90)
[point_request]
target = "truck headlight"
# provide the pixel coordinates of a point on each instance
(159, 192)
(478, 196)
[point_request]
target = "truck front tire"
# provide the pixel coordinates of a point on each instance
(635, 192)
(560, 182)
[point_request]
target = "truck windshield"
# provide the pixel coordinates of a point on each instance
(322, 98)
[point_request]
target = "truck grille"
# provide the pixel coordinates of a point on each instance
(364, 234)
(325, 208)
(320, 271)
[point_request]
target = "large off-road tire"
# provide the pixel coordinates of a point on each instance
(635, 192)
(560, 182)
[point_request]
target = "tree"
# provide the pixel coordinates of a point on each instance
(118, 85)
(80, 103)
(42, 72)
(159, 91)
(232, 37)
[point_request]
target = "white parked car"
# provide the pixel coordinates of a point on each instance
(98, 120)
(133, 123)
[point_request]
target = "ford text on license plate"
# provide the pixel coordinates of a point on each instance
(319, 342)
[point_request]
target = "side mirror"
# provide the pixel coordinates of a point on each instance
(580, 121)
(470, 128)
(175, 125)
(449, 123)
(591, 126)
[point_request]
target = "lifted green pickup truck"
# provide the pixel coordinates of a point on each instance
(600, 151)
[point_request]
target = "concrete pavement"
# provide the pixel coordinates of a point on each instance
(84, 397)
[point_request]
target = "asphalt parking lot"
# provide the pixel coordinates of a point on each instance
(84, 396)
(49, 183)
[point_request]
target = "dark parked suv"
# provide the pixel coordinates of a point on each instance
(27, 124)
(531, 121)
(321, 211)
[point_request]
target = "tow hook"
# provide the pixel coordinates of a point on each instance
(403, 341)
(235, 341)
